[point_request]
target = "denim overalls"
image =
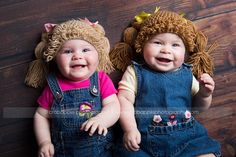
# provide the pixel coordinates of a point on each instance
(163, 99)
(68, 112)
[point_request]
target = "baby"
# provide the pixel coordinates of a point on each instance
(79, 96)
(158, 94)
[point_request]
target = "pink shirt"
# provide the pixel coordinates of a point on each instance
(106, 89)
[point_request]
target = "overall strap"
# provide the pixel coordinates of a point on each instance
(94, 86)
(54, 86)
(137, 69)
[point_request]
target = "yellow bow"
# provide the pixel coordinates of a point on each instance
(143, 15)
(182, 14)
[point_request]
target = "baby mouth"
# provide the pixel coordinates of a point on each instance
(165, 60)
(78, 66)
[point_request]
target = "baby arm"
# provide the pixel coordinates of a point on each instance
(42, 132)
(107, 117)
(202, 99)
(132, 136)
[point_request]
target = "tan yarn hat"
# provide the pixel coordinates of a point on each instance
(166, 22)
(52, 41)
(141, 31)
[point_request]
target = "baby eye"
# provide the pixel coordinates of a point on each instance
(67, 51)
(157, 42)
(176, 45)
(85, 50)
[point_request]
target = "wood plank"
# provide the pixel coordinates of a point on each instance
(21, 23)
(18, 139)
(14, 93)
(225, 89)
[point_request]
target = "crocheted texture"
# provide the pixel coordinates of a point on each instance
(130, 35)
(121, 56)
(51, 43)
(165, 22)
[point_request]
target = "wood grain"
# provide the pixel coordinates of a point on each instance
(21, 23)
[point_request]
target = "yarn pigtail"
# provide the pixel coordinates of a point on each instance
(123, 52)
(38, 69)
(200, 59)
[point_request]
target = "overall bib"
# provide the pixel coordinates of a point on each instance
(70, 109)
(167, 95)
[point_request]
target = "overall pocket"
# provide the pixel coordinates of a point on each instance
(171, 142)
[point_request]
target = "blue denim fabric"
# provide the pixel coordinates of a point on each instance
(66, 120)
(164, 93)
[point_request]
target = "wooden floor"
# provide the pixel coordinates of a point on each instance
(21, 22)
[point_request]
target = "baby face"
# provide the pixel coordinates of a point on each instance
(77, 60)
(164, 52)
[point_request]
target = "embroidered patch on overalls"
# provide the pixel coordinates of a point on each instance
(172, 120)
(157, 120)
(85, 109)
(187, 115)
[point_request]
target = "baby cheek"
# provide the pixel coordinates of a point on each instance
(181, 57)
(95, 60)
(179, 61)
(62, 64)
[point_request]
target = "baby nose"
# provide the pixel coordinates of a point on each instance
(77, 55)
(165, 49)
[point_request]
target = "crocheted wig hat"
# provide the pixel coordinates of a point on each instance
(146, 26)
(54, 38)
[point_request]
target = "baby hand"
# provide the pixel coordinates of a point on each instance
(94, 124)
(46, 149)
(207, 85)
(132, 139)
